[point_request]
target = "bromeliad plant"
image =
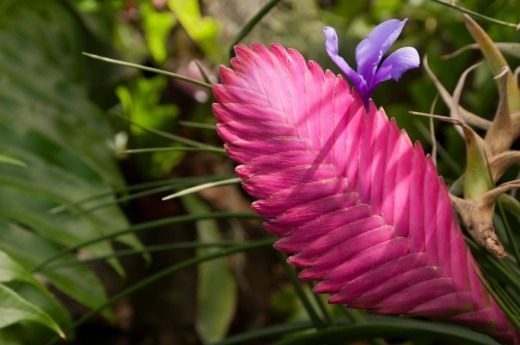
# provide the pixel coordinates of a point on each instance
(357, 206)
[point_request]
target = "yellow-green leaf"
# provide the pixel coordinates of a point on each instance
(477, 177)
(496, 61)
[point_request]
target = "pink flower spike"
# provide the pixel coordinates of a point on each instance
(357, 205)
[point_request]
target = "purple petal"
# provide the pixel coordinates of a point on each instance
(331, 45)
(396, 64)
(370, 51)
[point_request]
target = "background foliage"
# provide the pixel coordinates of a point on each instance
(89, 251)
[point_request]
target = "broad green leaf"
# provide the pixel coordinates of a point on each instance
(11, 270)
(33, 291)
(13, 309)
(216, 287)
(48, 121)
(29, 250)
(48, 303)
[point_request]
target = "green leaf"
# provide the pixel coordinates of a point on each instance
(10, 270)
(200, 187)
(33, 291)
(496, 61)
(58, 132)
(510, 48)
(392, 327)
(262, 12)
(10, 336)
(477, 177)
(10, 160)
(13, 309)
(45, 301)
(29, 250)
(216, 287)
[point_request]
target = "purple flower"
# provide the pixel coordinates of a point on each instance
(372, 69)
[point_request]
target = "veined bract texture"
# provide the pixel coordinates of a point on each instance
(356, 205)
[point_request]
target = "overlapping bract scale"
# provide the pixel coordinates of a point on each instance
(356, 205)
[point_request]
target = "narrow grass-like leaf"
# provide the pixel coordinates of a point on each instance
(136, 187)
(392, 327)
(200, 187)
(510, 48)
(476, 14)
(264, 10)
(204, 74)
(174, 137)
(144, 193)
(173, 269)
(510, 235)
(284, 329)
(197, 125)
(149, 69)
(172, 149)
(148, 249)
(145, 226)
(10, 160)
(321, 305)
(300, 292)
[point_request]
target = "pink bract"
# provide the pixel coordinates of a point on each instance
(359, 208)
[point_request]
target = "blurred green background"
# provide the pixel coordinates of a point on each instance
(71, 175)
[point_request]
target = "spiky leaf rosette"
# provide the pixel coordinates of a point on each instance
(359, 208)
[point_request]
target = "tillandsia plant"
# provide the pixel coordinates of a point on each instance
(358, 206)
